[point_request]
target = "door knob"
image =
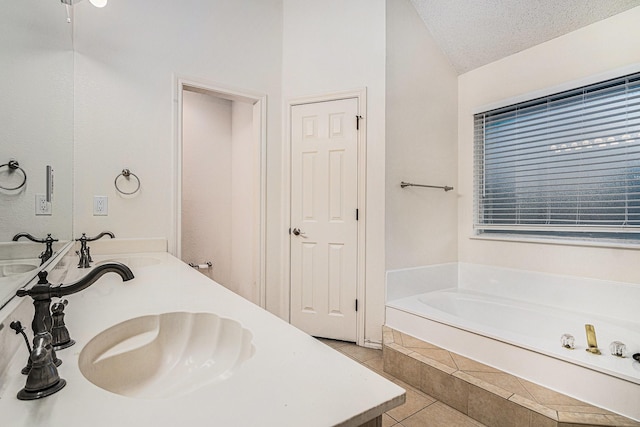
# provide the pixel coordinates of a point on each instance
(298, 232)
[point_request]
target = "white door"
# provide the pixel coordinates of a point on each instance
(324, 236)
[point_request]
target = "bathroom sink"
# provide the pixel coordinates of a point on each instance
(134, 261)
(165, 355)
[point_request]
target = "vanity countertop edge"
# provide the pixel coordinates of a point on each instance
(292, 379)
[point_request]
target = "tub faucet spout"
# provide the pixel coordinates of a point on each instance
(592, 343)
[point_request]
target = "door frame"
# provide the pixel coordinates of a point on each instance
(361, 96)
(259, 102)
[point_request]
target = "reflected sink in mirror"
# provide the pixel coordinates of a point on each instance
(14, 274)
(166, 355)
(13, 268)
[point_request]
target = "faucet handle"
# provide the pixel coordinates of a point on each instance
(59, 332)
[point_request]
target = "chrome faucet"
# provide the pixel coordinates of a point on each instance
(43, 379)
(48, 241)
(84, 252)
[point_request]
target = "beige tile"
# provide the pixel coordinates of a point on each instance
(412, 342)
(440, 415)
(333, 343)
(402, 366)
(620, 421)
(446, 388)
(414, 403)
(361, 354)
(466, 364)
(406, 386)
(504, 381)
(538, 420)
(397, 337)
(376, 364)
(496, 411)
(545, 396)
(582, 418)
(398, 348)
(535, 407)
(433, 363)
(437, 354)
(585, 408)
(387, 421)
(483, 384)
(387, 337)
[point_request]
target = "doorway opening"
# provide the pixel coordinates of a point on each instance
(220, 202)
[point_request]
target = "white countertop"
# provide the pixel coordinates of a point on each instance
(291, 380)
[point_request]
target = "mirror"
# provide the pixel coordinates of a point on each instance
(36, 131)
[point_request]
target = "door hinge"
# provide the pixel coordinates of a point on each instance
(357, 214)
(289, 230)
(356, 304)
(358, 118)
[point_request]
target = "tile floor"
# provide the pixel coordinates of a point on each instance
(420, 409)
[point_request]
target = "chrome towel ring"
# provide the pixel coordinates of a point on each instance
(127, 174)
(13, 165)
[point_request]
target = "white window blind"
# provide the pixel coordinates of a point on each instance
(566, 164)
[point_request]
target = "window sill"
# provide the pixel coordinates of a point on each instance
(559, 241)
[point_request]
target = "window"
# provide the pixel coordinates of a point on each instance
(566, 165)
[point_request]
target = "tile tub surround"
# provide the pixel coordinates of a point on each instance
(513, 320)
(483, 393)
(419, 409)
(292, 379)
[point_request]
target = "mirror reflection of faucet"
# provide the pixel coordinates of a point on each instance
(84, 252)
(48, 241)
(43, 378)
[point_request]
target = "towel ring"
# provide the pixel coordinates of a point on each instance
(13, 165)
(127, 174)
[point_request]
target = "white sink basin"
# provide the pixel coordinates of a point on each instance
(165, 355)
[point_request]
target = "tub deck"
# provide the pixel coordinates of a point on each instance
(512, 320)
(486, 394)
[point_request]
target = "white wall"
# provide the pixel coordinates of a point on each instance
(245, 200)
(36, 116)
(128, 56)
(584, 56)
(335, 45)
(220, 190)
(206, 183)
(421, 144)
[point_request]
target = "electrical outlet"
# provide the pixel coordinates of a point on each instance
(42, 206)
(100, 205)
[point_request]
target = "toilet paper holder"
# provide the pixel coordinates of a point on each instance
(203, 266)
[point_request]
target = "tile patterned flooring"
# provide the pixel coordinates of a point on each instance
(423, 410)
(484, 393)
(420, 409)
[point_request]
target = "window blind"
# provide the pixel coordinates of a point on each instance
(563, 164)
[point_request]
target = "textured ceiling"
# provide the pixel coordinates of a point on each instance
(473, 33)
